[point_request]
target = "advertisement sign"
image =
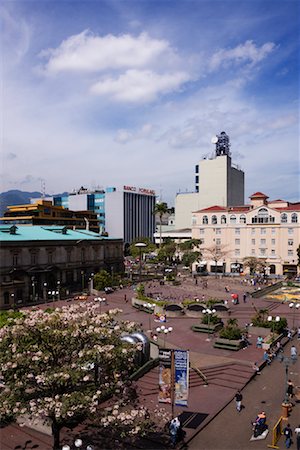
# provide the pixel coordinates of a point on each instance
(165, 376)
(181, 377)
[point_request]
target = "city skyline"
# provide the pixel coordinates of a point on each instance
(108, 93)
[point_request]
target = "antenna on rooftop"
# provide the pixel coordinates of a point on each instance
(43, 188)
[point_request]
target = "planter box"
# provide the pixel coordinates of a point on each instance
(204, 328)
(228, 344)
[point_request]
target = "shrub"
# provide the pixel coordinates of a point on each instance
(213, 319)
(231, 331)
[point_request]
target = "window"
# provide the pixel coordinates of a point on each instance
(253, 251)
(263, 217)
(252, 230)
(201, 230)
(237, 231)
(50, 257)
(273, 230)
(290, 230)
(290, 242)
(232, 219)
(294, 218)
(262, 251)
(223, 219)
(263, 231)
(218, 230)
(33, 258)
(83, 254)
(214, 220)
(237, 241)
(253, 241)
(218, 241)
(283, 218)
(15, 259)
(273, 241)
(243, 219)
(262, 242)
(194, 220)
(290, 252)
(237, 252)
(273, 252)
(205, 220)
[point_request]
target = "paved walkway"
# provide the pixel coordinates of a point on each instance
(228, 429)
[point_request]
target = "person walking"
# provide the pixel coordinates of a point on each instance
(173, 430)
(293, 352)
(290, 389)
(288, 435)
(297, 433)
(238, 400)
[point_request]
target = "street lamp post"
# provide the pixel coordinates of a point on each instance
(82, 280)
(58, 290)
(273, 320)
(45, 292)
(209, 312)
(165, 331)
(33, 288)
(294, 306)
(91, 283)
(140, 246)
(13, 301)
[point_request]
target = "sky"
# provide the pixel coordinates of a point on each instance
(100, 93)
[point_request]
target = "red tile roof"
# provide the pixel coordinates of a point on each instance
(258, 195)
(213, 208)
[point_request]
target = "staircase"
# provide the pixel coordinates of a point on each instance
(233, 375)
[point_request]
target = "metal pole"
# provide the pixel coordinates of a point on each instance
(172, 383)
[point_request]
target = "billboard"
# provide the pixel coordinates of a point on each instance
(173, 377)
(165, 376)
(181, 377)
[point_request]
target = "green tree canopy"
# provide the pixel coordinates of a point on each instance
(102, 279)
(159, 210)
(135, 251)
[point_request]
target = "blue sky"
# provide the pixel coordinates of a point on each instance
(107, 93)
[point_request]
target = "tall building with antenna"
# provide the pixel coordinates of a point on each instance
(217, 182)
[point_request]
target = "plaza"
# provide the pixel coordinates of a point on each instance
(223, 371)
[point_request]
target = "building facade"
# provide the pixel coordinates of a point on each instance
(43, 212)
(124, 213)
(217, 182)
(38, 264)
(267, 230)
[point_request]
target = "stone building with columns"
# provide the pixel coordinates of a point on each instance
(41, 263)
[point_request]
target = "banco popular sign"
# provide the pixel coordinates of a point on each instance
(139, 190)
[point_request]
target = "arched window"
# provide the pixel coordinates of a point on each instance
(223, 219)
(194, 220)
(205, 220)
(214, 220)
(242, 218)
(233, 219)
(294, 218)
(283, 218)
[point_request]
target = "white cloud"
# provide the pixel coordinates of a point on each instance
(145, 132)
(86, 52)
(140, 85)
(247, 53)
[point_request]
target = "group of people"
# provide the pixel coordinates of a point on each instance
(288, 434)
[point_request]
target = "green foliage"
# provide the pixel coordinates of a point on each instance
(166, 252)
(140, 290)
(259, 320)
(102, 279)
(254, 264)
(189, 258)
(231, 331)
(212, 319)
(189, 245)
(135, 251)
(6, 317)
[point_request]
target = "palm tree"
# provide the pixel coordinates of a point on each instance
(159, 210)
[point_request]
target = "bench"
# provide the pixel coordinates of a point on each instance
(203, 329)
(143, 308)
(228, 344)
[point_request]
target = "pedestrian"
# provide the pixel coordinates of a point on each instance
(259, 342)
(125, 298)
(298, 333)
(238, 400)
(244, 297)
(297, 433)
(290, 389)
(288, 435)
(173, 429)
(256, 368)
(293, 352)
(289, 335)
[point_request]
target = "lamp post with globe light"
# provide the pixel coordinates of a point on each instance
(165, 331)
(273, 320)
(294, 306)
(209, 313)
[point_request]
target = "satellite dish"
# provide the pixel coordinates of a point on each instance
(214, 140)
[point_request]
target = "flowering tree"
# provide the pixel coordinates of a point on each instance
(61, 365)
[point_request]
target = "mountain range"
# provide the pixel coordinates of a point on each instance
(16, 197)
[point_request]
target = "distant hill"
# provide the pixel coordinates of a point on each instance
(16, 197)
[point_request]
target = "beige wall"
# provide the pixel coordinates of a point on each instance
(277, 242)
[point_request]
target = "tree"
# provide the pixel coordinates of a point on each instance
(167, 251)
(189, 258)
(216, 253)
(135, 251)
(102, 279)
(159, 210)
(254, 264)
(61, 365)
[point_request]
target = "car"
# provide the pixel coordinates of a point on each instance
(108, 290)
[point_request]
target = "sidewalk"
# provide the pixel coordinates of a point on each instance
(232, 430)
